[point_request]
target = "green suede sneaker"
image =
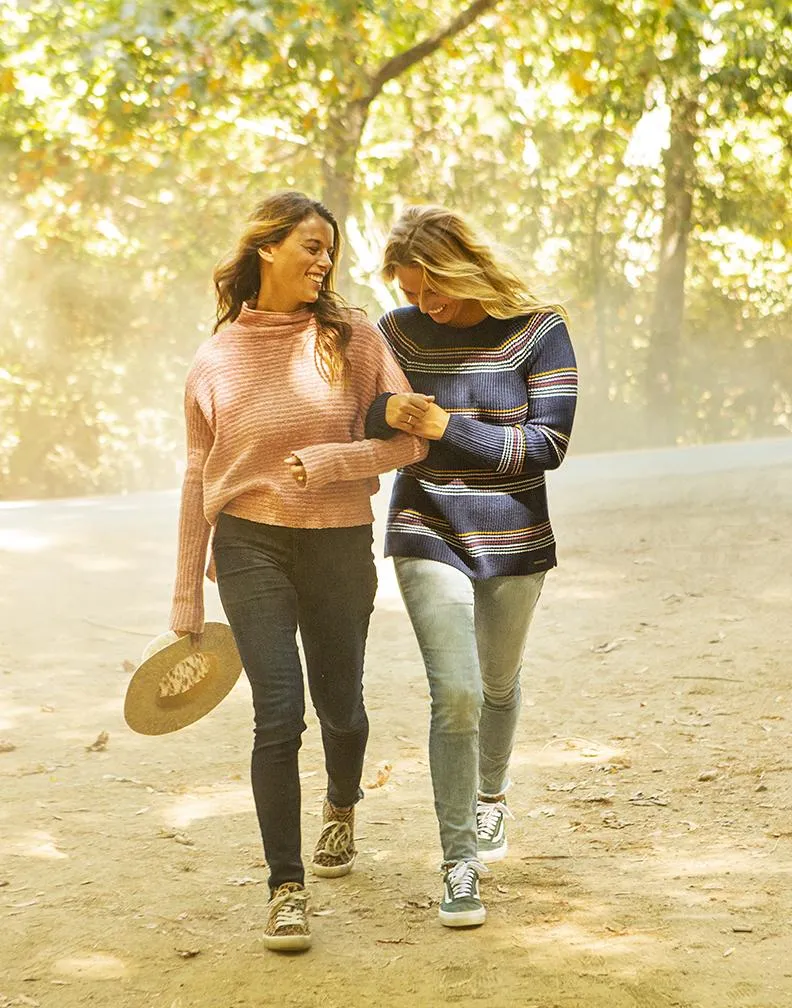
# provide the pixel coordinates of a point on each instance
(491, 830)
(461, 904)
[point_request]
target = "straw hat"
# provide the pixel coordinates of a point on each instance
(175, 684)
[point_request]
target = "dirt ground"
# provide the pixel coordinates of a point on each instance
(651, 852)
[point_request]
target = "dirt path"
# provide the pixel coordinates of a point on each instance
(651, 855)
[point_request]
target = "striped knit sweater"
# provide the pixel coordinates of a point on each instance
(253, 396)
(478, 501)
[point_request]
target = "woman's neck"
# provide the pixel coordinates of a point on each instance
(470, 314)
(282, 306)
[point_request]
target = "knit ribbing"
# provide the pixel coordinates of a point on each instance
(253, 396)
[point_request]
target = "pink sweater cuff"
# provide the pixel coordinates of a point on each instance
(321, 465)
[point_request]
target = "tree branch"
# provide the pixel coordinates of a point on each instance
(398, 64)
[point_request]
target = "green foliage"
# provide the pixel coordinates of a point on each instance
(135, 135)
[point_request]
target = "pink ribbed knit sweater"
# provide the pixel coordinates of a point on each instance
(253, 396)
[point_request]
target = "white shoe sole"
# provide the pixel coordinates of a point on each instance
(496, 854)
(331, 871)
(287, 943)
(466, 918)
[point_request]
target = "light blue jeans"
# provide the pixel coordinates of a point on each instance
(471, 635)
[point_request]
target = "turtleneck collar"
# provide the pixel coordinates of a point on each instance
(269, 323)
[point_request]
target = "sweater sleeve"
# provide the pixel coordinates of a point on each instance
(376, 424)
(187, 612)
(354, 460)
(540, 442)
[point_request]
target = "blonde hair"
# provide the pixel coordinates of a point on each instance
(456, 263)
(237, 277)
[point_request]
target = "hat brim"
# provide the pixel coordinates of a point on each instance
(149, 713)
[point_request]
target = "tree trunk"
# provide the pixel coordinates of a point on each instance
(345, 130)
(599, 294)
(669, 300)
(342, 143)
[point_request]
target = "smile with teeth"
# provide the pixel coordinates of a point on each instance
(437, 311)
(316, 277)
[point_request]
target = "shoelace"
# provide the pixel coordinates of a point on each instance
(291, 911)
(463, 876)
(335, 838)
(488, 816)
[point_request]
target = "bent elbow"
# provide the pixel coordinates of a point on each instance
(421, 450)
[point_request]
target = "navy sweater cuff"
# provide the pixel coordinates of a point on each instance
(483, 441)
(376, 425)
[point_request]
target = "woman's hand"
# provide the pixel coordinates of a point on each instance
(432, 423)
(196, 639)
(296, 468)
(404, 410)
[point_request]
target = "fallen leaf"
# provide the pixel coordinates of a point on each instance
(46, 708)
(609, 646)
(612, 821)
(420, 903)
(242, 880)
(322, 913)
(639, 798)
(169, 834)
(383, 776)
(100, 744)
(128, 667)
(6, 746)
(188, 953)
(600, 799)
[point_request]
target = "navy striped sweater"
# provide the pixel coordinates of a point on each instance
(478, 500)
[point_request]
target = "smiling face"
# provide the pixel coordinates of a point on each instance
(294, 270)
(456, 312)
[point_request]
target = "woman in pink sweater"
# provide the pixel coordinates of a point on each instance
(279, 465)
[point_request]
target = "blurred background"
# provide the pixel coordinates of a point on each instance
(633, 155)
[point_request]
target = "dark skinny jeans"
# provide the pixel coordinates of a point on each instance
(272, 581)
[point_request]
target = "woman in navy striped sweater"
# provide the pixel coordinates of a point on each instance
(495, 389)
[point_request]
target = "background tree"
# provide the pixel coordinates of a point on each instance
(634, 153)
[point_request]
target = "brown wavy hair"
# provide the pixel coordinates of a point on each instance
(457, 263)
(236, 277)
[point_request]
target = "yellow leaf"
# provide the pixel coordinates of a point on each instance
(579, 84)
